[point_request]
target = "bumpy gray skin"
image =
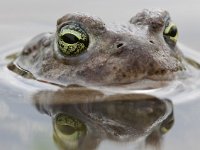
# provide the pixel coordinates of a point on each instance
(116, 54)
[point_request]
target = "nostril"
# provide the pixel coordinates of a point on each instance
(151, 41)
(120, 45)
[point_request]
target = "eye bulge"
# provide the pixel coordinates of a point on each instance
(171, 33)
(72, 40)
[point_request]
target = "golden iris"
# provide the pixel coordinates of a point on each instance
(72, 40)
(171, 32)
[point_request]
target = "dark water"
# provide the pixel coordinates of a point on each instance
(31, 120)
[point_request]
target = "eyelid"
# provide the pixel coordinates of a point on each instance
(76, 33)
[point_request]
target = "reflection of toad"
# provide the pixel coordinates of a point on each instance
(119, 118)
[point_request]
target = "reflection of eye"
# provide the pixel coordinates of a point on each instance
(72, 40)
(166, 125)
(171, 33)
(68, 128)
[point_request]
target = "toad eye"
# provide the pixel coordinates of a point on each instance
(171, 33)
(72, 40)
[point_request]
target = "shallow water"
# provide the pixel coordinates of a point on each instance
(23, 127)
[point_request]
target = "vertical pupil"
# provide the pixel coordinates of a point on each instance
(70, 38)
